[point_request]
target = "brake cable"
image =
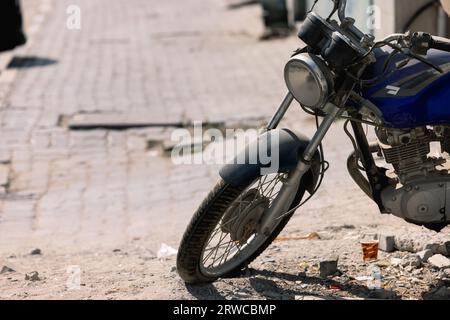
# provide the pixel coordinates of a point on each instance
(325, 165)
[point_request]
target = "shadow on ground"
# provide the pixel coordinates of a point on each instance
(266, 287)
(204, 292)
(30, 62)
(264, 283)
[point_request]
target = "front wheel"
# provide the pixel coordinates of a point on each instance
(222, 237)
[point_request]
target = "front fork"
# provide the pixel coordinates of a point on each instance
(288, 192)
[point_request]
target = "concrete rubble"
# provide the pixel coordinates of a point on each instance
(328, 267)
(32, 276)
(439, 261)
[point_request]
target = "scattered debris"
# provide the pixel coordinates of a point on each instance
(412, 260)
(440, 293)
(335, 287)
(439, 261)
(32, 276)
(166, 251)
(407, 244)
(328, 267)
(444, 249)
(339, 228)
(6, 269)
(308, 298)
(386, 243)
(309, 236)
(270, 260)
(36, 252)
(425, 255)
(396, 261)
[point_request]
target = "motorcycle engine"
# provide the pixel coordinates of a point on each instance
(422, 193)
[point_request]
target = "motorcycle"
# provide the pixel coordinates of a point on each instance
(398, 85)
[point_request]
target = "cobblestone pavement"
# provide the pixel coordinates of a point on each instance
(165, 62)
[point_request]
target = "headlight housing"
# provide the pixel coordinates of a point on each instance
(309, 80)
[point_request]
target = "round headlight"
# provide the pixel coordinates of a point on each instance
(309, 80)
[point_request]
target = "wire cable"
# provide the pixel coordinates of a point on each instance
(325, 165)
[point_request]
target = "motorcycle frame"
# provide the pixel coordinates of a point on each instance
(376, 177)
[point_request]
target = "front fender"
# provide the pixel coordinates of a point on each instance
(290, 148)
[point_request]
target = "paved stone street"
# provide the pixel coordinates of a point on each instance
(80, 195)
(162, 63)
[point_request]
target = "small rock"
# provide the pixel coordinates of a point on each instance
(173, 269)
(308, 298)
(434, 247)
(425, 255)
(407, 245)
(36, 252)
(417, 272)
(6, 269)
(386, 243)
(328, 267)
(444, 249)
(439, 261)
(441, 293)
(33, 276)
(381, 294)
(116, 250)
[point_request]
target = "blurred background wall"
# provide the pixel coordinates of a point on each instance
(393, 15)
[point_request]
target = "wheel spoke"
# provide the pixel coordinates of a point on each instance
(220, 249)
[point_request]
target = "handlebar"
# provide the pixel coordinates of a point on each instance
(439, 43)
(419, 42)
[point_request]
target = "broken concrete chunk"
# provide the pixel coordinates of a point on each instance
(407, 245)
(444, 249)
(32, 276)
(434, 247)
(386, 243)
(439, 261)
(412, 260)
(328, 267)
(441, 293)
(425, 255)
(6, 269)
(36, 252)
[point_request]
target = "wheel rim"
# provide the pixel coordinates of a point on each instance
(221, 254)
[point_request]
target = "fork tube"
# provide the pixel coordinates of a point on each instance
(278, 116)
(288, 192)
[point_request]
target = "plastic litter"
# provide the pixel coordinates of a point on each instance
(166, 251)
(309, 236)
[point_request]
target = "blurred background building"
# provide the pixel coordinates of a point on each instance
(383, 17)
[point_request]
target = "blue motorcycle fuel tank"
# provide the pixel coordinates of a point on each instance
(416, 95)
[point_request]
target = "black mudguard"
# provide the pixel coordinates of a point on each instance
(291, 147)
